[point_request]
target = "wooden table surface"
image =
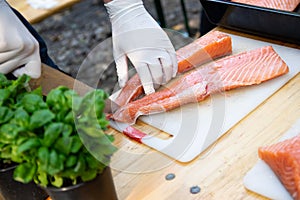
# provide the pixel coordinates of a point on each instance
(36, 15)
(139, 172)
(218, 171)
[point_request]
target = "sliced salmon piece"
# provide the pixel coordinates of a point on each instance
(206, 48)
(287, 5)
(230, 72)
(284, 160)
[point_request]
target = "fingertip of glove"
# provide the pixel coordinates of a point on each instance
(122, 83)
(35, 75)
(149, 90)
(174, 72)
(174, 64)
(32, 69)
(20, 72)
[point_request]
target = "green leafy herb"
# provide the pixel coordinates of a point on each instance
(54, 139)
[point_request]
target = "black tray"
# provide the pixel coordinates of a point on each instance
(270, 23)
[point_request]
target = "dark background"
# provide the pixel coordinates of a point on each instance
(73, 33)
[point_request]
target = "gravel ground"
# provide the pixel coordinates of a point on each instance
(79, 42)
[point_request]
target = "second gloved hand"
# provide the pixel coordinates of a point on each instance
(19, 51)
(138, 37)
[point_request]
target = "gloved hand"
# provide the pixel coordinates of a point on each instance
(19, 51)
(137, 36)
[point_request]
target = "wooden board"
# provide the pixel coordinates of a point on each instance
(52, 78)
(36, 15)
(219, 170)
(139, 172)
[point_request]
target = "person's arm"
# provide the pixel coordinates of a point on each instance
(19, 51)
(138, 37)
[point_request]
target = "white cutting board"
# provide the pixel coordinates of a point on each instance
(196, 126)
(262, 180)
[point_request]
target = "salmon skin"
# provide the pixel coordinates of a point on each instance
(284, 160)
(210, 46)
(287, 5)
(247, 68)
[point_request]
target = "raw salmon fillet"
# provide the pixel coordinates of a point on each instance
(230, 72)
(284, 159)
(206, 48)
(287, 5)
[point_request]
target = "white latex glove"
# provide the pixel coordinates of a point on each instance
(137, 36)
(19, 50)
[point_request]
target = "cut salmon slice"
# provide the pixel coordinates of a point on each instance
(247, 68)
(206, 48)
(284, 160)
(287, 5)
(212, 45)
